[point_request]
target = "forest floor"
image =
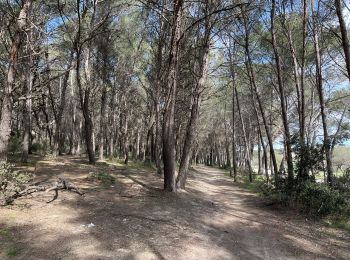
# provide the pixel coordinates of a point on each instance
(134, 219)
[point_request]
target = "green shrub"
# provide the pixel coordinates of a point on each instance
(15, 144)
(104, 177)
(36, 147)
(11, 181)
(320, 200)
(11, 251)
(42, 148)
(342, 183)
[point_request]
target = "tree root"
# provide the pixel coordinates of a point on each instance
(60, 184)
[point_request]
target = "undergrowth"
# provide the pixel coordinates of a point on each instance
(104, 177)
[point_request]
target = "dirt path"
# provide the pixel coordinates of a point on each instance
(134, 219)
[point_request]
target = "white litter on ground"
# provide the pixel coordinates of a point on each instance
(88, 225)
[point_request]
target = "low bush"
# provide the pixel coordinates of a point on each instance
(320, 200)
(342, 183)
(103, 177)
(11, 181)
(42, 148)
(15, 144)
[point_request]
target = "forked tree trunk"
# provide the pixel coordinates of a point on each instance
(84, 96)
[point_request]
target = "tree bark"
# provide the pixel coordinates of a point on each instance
(344, 35)
(326, 139)
(7, 100)
(234, 153)
(169, 113)
(58, 149)
(247, 149)
(263, 115)
(282, 96)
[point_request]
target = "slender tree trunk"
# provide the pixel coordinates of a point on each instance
(327, 142)
(27, 122)
(282, 96)
(344, 35)
(247, 151)
(233, 77)
(102, 120)
(258, 98)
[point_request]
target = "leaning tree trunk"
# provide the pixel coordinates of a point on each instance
(192, 124)
(187, 148)
(7, 101)
(344, 35)
(258, 98)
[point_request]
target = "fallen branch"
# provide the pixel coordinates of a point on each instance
(60, 184)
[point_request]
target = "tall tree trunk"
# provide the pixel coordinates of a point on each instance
(246, 145)
(169, 113)
(27, 122)
(258, 98)
(102, 120)
(7, 99)
(233, 78)
(112, 121)
(58, 149)
(319, 83)
(189, 139)
(84, 96)
(282, 96)
(192, 124)
(302, 75)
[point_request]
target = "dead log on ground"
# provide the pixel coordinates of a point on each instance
(60, 184)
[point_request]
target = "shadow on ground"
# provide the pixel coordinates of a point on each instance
(134, 219)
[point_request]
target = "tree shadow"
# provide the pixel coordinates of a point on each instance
(201, 223)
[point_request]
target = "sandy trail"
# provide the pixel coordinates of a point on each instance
(134, 219)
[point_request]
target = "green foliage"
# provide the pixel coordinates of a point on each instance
(342, 183)
(14, 144)
(255, 186)
(341, 223)
(42, 148)
(103, 177)
(320, 200)
(307, 158)
(11, 251)
(8, 246)
(11, 181)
